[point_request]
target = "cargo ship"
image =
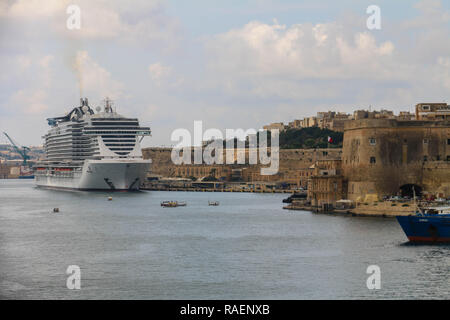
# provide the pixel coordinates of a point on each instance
(87, 150)
(431, 225)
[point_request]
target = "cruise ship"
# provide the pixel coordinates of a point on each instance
(87, 150)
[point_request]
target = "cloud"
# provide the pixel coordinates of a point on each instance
(102, 19)
(32, 98)
(144, 20)
(315, 64)
(46, 60)
(32, 9)
(23, 62)
(432, 14)
(443, 71)
(31, 101)
(300, 51)
(159, 72)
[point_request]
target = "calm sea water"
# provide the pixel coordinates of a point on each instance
(246, 248)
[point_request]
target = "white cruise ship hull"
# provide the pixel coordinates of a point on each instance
(115, 175)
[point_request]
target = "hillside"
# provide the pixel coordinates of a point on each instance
(313, 137)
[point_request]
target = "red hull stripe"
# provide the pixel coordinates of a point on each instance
(428, 239)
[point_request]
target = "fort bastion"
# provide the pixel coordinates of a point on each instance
(388, 156)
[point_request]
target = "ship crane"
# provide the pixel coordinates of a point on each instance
(23, 151)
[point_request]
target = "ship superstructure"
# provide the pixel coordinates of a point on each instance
(93, 150)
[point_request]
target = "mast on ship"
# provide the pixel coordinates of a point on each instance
(108, 103)
(416, 207)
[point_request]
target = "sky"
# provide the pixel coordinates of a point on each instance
(232, 64)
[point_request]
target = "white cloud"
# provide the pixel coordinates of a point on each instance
(31, 101)
(46, 60)
(159, 72)
(300, 51)
(443, 71)
(31, 98)
(304, 63)
(23, 62)
(32, 9)
(101, 19)
(432, 14)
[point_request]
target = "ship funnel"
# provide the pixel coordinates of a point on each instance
(84, 102)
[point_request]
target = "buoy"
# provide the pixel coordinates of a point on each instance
(55, 209)
(109, 198)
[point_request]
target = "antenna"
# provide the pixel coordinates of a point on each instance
(108, 105)
(415, 204)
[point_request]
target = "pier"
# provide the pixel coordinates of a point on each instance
(214, 187)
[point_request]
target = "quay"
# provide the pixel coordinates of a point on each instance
(209, 186)
(215, 190)
(375, 209)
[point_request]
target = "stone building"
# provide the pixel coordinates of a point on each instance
(310, 122)
(405, 115)
(296, 124)
(387, 157)
(433, 111)
(4, 171)
(295, 166)
(277, 125)
(365, 114)
(326, 185)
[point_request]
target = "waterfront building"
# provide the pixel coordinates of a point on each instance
(387, 157)
(276, 125)
(294, 166)
(326, 185)
(432, 111)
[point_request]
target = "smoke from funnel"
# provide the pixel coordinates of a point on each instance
(77, 68)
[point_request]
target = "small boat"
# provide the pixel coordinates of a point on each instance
(213, 203)
(432, 225)
(295, 196)
(173, 204)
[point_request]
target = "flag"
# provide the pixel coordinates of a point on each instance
(330, 140)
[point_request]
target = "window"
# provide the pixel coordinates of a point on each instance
(425, 141)
(448, 142)
(373, 160)
(425, 158)
(372, 141)
(438, 158)
(426, 107)
(448, 158)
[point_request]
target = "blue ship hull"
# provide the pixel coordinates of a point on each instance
(426, 228)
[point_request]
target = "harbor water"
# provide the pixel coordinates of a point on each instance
(248, 247)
